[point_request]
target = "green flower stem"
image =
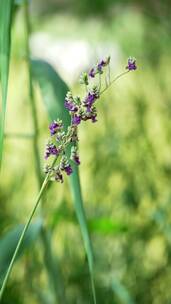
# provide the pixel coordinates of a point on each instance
(49, 261)
(111, 82)
(22, 235)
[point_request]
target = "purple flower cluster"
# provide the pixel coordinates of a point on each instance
(98, 68)
(56, 148)
(90, 99)
(84, 109)
(131, 64)
(69, 105)
(51, 149)
(55, 126)
(80, 109)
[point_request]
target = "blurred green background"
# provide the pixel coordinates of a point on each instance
(125, 157)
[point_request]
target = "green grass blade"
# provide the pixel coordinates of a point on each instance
(6, 9)
(9, 241)
(78, 201)
(53, 91)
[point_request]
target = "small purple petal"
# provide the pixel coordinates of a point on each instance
(47, 154)
(131, 64)
(90, 99)
(70, 106)
(76, 120)
(76, 159)
(92, 73)
(68, 170)
(101, 64)
(88, 108)
(93, 118)
(51, 150)
(54, 151)
(54, 127)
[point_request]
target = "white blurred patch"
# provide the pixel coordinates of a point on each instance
(71, 57)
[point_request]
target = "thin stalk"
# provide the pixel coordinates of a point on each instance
(22, 236)
(116, 78)
(50, 266)
(109, 73)
(86, 88)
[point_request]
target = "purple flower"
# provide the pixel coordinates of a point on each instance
(93, 118)
(68, 169)
(76, 159)
(70, 106)
(76, 120)
(51, 150)
(54, 126)
(92, 73)
(131, 64)
(90, 99)
(100, 65)
(65, 166)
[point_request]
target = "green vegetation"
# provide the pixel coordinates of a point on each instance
(125, 167)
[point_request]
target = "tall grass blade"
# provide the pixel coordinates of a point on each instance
(78, 202)
(53, 90)
(6, 9)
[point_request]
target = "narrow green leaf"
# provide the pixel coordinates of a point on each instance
(53, 91)
(77, 197)
(6, 9)
(9, 242)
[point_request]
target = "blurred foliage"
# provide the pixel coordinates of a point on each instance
(125, 169)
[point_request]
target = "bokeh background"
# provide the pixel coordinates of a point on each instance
(125, 157)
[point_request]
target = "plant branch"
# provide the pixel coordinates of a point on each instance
(115, 79)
